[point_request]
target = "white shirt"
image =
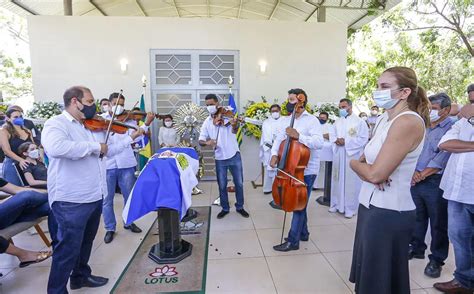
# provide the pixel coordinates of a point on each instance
(168, 136)
(227, 145)
(355, 132)
(309, 128)
(327, 152)
(457, 181)
(269, 128)
(75, 172)
(397, 196)
(124, 157)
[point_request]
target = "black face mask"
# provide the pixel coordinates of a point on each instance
(290, 107)
(89, 110)
(323, 121)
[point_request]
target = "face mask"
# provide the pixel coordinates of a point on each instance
(118, 109)
(105, 108)
(383, 99)
(290, 107)
(343, 113)
(364, 118)
(19, 121)
(34, 154)
(168, 124)
(434, 116)
(323, 121)
(88, 110)
(212, 109)
(276, 115)
(374, 112)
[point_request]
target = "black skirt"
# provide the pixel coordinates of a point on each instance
(380, 256)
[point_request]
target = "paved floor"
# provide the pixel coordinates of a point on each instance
(244, 261)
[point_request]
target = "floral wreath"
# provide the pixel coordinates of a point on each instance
(331, 108)
(258, 111)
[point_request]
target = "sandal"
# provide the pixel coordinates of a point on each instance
(41, 256)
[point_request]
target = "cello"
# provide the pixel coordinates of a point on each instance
(289, 190)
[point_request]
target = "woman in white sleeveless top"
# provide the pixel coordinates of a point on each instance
(386, 215)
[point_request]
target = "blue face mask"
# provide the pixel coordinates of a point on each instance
(343, 113)
(19, 121)
(323, 121)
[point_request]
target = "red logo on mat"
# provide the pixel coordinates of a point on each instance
(167, 271)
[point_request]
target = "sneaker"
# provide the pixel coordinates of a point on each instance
(332, 210)
(243, 213)
(222, 214)
(217, 202)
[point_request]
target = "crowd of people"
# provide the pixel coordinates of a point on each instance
(398, 171)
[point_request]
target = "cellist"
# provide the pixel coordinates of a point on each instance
(307, 130)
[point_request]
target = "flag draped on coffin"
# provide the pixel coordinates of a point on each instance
(164, 182)
(236, 112)
(145, 154)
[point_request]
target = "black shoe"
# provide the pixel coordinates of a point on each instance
(222, 214)
(412, 254)
(243, 213)
(306, 238)
(273, 205)
(109, 236)
(133, 227)
(91, 282)
(287, 246)
(266, 193)
(433, 269)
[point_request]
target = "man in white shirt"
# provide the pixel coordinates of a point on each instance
(269, 127)
(372, 119)
(349, 138)
(458, 186)
(307, 130)
(76, 184)
(121, 166)
(223, 139)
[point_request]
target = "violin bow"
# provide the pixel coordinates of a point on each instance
(107, 134)
(128, 114)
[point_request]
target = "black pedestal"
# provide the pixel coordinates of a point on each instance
(170, 249)
(326, 199)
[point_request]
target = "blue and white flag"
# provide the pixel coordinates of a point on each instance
(167, 180)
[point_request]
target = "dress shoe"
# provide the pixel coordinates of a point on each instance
(91, 282)
(109, 236)
(412, 254)
(243, 213)
(433, 269)
(222, 214)
(304, 239)
(285, 247)
(452, 286)
(266, 193)
(133, 227)
(273, 205)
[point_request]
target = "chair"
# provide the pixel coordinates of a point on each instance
(22, 178)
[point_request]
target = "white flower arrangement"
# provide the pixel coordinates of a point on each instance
(331, 108)
(42, 111)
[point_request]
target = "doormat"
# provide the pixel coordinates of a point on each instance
(143, 275)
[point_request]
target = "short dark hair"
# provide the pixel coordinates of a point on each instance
(325, 113)
(275, 105)
(167, 116)
(75, 91)
(375, 106)
(470, 88)
(211, 96)
(298, 91)
(115, 95)
(103, 99)
(349, 102)
(136, 109)
(442, 99)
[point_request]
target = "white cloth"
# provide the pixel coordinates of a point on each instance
(309, 128)
(168, 137)
(346, 183)
(269, 129)
(457, 182)
(227, 145)
(326, 155)
(397, 196)
(75, 172)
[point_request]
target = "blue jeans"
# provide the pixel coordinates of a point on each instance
(9, 172)
(432, 207)
(234, 164)
(77, 227)
(299, 222)
(23, 207)
(461, 234)
(125, 178)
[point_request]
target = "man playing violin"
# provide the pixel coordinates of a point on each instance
(121, 165)
(76, 185)
(307, 130)
(220, 133)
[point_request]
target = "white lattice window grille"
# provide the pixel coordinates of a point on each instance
(215, 69)
(167, 103)
(171, 69)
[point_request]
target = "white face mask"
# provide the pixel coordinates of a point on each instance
(34, 154)
(374, 112)
(105, 108)
(168, 124)
(117, 109)
(276, 115)
(434, 116)
(383, 99)
(364, 118)
(212, 109)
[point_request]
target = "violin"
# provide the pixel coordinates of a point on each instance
(98, 124)
(223, 116)
(135, 115)
(289, 190)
